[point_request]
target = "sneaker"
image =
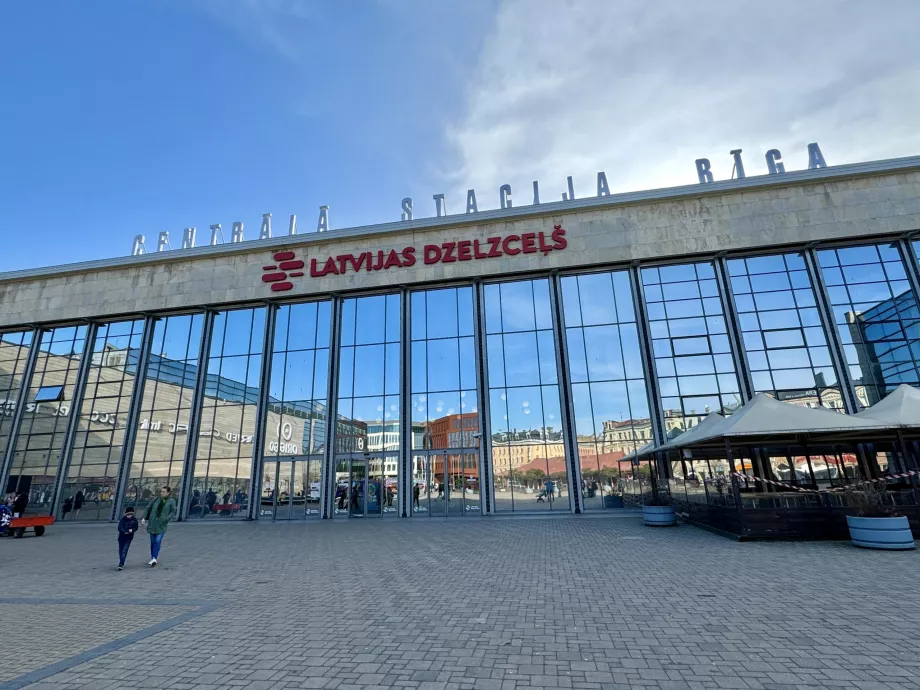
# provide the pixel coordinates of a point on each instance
(153, 562)
(121, 567)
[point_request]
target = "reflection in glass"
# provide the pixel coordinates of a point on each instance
(445, 412)
(223, 465)
(40, 440)
(608, 388)
(291, 489)
(786, 348)
(368, 385)
(693, 360)
(876, 315)
(162, 434)
(93, 466)
(14, 354)
(528, 452)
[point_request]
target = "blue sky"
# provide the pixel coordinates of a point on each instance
(128, 118)
(133, 118)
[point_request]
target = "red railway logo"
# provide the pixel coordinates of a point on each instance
(278, 275)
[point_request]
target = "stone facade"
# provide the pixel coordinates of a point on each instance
(829, 204)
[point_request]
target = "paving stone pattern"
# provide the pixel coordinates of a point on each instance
(484, 603)
(57, 631)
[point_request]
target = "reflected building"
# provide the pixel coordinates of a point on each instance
(467, 365)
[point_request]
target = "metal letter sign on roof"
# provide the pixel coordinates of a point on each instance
(773, 157)
(440, 205)
(471, 206)
(602, 188)
(774, 162)
(265, 233)
(703, 170)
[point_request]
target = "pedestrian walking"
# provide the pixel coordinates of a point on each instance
(416, 491)
(127, 528)
(157, 518)
(77, 504)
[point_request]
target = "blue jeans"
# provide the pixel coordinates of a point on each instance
(155, 541)
(123, 546)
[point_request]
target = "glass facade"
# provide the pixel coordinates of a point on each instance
(454, 394)
(609, 393)
(14, 356)
(693, 359)
(876, 315)
(445, 411)
(368, 410)
(295, 438)
(528, 461)
(92, 473)
(784, 341)
(225, 451)
(41, 435)
(166, 405)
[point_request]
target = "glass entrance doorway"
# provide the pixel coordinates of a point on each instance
(446, 483)
(291, 489)
(366, 485)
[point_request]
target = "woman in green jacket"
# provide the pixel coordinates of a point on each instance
(157, 517)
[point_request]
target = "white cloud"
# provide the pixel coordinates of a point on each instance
(641, 89)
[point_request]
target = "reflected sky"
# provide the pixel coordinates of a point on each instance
(876, 315)
(786, 348)
(696, 373)
(443, 367)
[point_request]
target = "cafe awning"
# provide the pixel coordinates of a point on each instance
(900, 409)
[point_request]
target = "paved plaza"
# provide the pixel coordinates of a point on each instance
(439, 604)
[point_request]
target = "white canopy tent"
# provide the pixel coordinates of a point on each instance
(899, 409)
(690, 435)
(764, 417)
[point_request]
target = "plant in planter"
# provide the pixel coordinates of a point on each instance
(657, 510)
(876, 524)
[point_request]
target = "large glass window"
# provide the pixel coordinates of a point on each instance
(299, 379)
(48, 408)
(528, 452)
(445, 410)
(14, 354)
(297, 411)
(223, 462)
(368, 401)
(786, 346)
(876, 315)
(166, 403)
(608, 387)
(693, 359)
(93, 466)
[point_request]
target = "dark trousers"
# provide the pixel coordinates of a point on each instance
(124, 543)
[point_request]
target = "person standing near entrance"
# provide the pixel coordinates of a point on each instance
(20, 504)
(157, 518)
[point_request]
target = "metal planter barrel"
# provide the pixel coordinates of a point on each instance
(659, 516)
(891, 533)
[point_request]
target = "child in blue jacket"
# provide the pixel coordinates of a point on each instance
(127, 527)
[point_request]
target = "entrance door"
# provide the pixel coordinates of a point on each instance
(446, 483)
(291, 490)
(366, 485)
